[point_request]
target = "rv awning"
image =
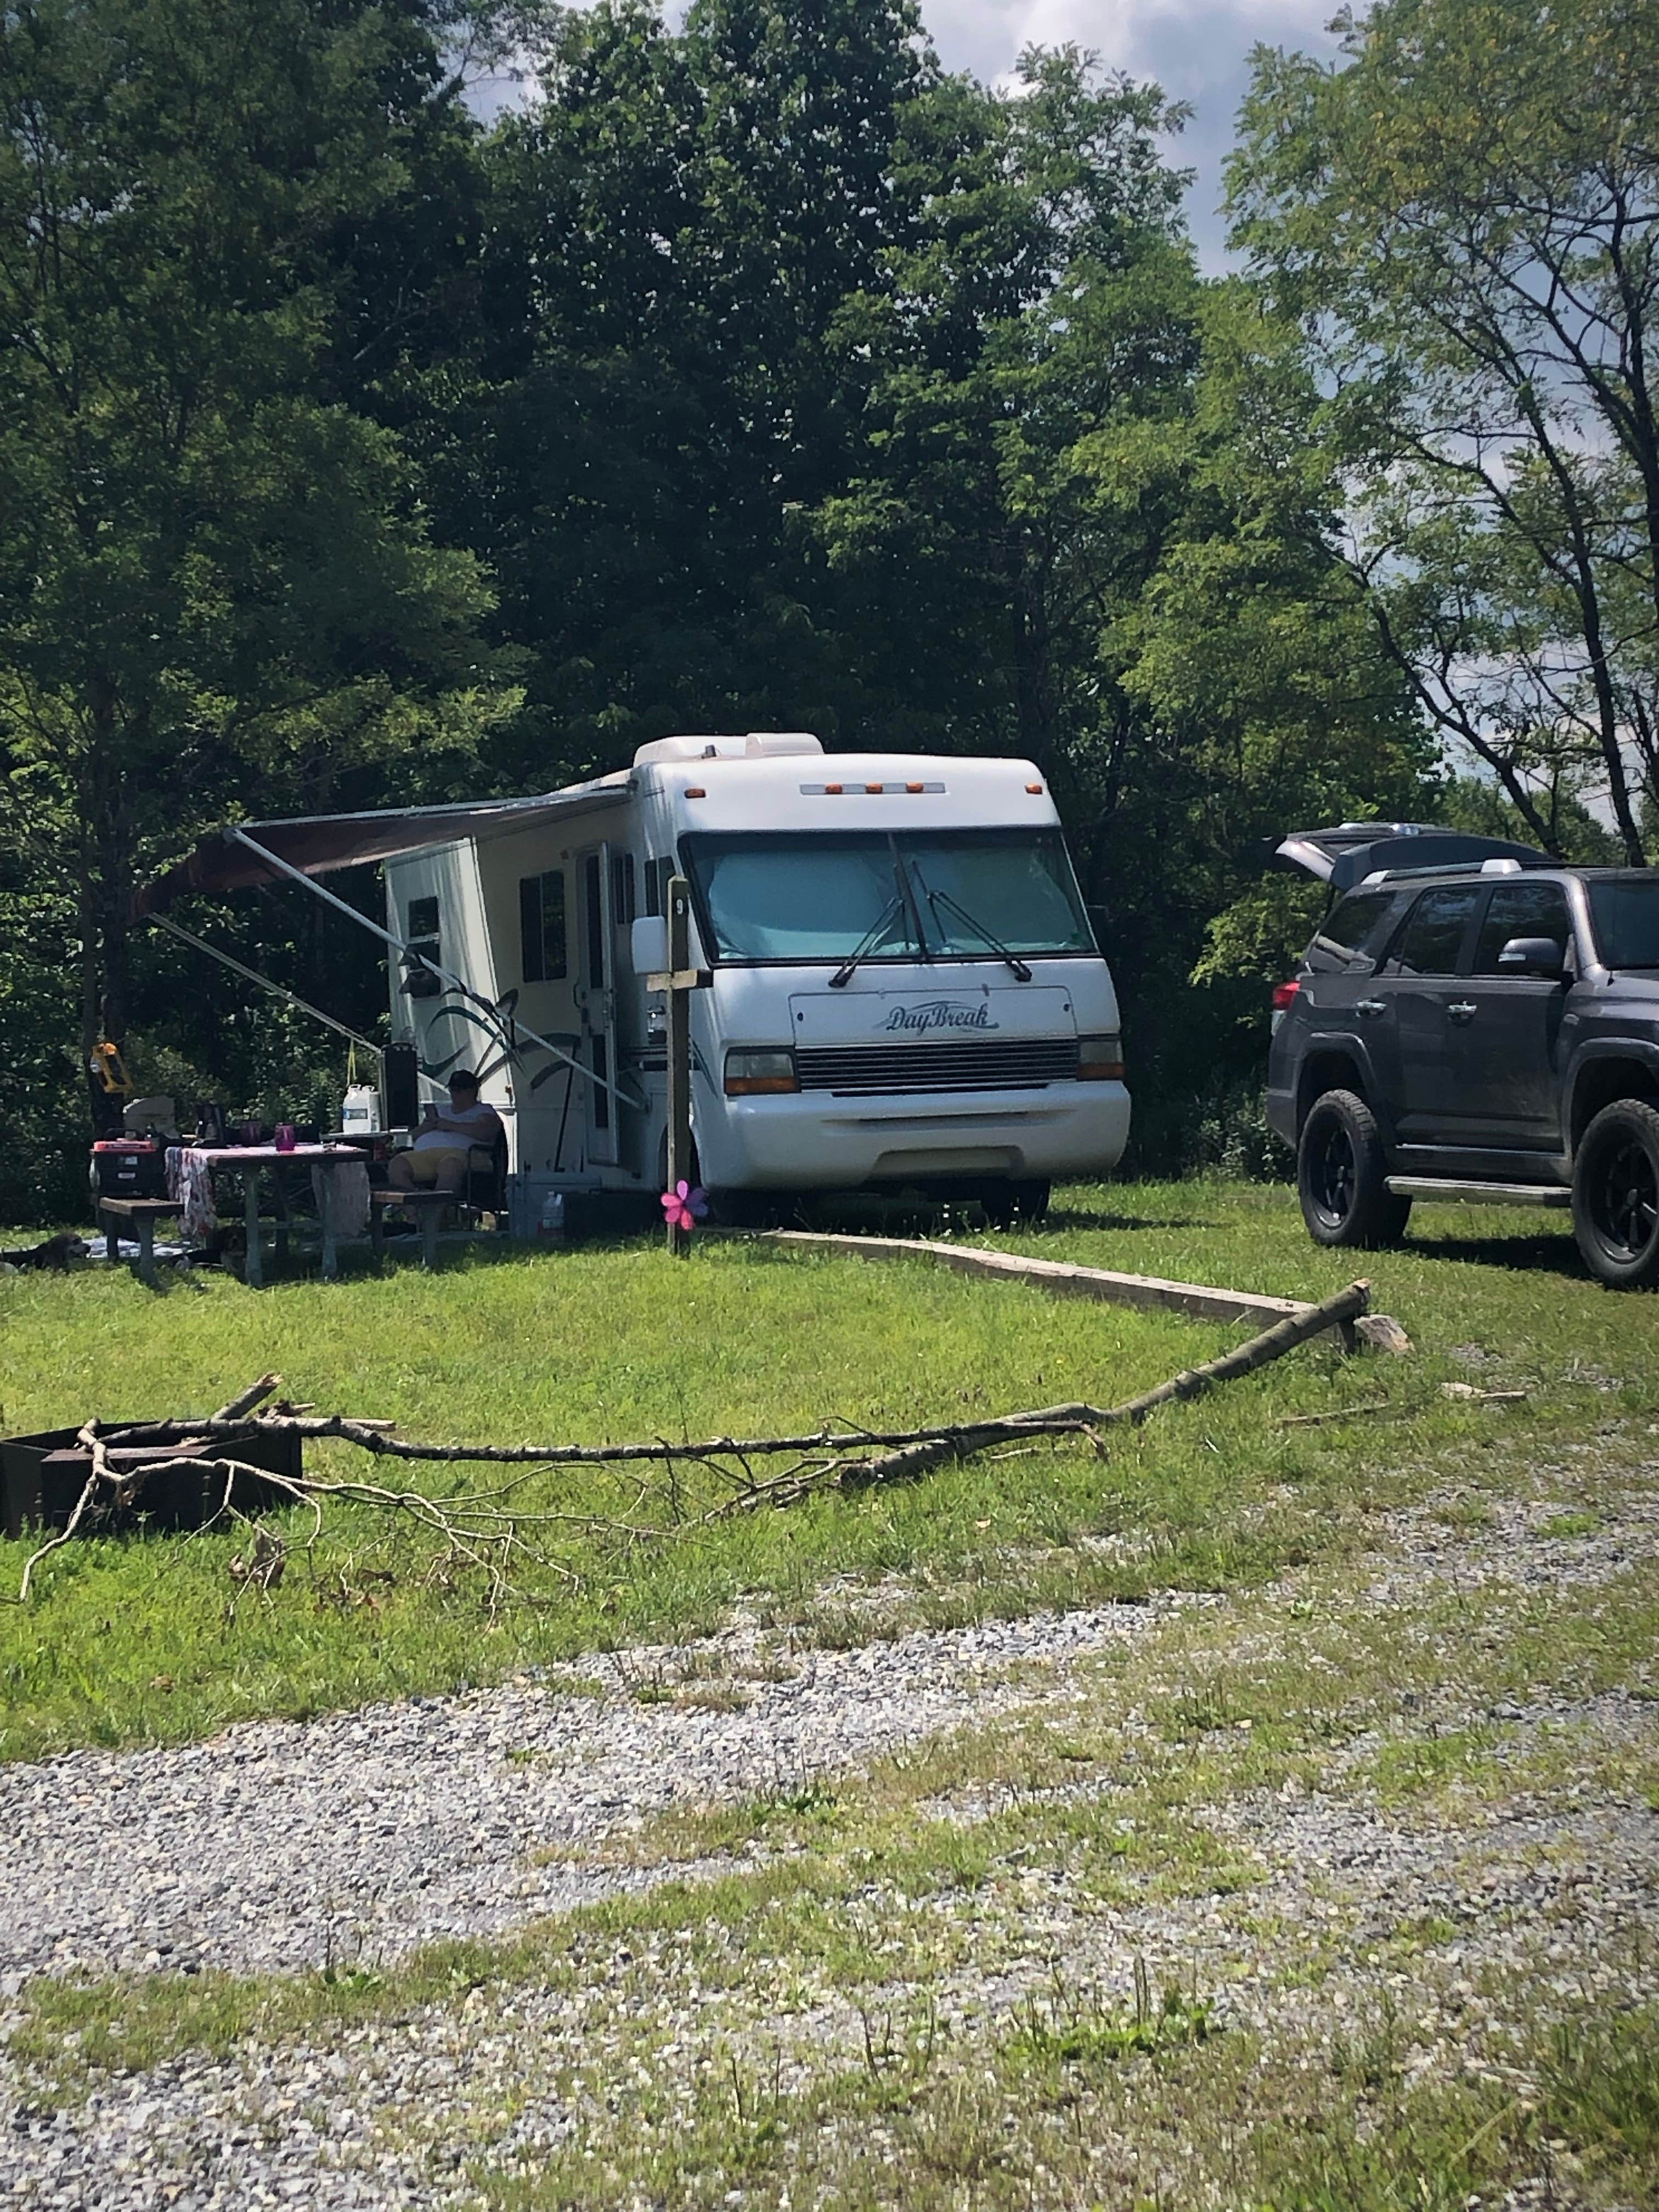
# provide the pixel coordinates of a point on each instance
(316, 844)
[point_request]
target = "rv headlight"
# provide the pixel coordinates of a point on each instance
(748, 1074)
(1100, 1058)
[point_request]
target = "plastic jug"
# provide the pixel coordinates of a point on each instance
(360, 1116)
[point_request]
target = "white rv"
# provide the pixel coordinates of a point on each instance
(903, 987)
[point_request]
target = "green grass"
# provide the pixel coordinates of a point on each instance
(785, 2029)
(138, 1640)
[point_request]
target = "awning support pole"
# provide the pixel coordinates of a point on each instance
(298, 875)
(276, 991)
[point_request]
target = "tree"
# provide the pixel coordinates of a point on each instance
(1091, 529)
(674, 231)
(1463, 212)
(215, 574)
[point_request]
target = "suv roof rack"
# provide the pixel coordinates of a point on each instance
(1350, 852)
(1495, 864)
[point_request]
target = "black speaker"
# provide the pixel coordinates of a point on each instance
(403, 1087)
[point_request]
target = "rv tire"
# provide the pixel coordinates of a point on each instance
(1009, 1204)
(751, 1209)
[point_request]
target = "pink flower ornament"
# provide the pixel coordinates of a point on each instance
(684, 1206)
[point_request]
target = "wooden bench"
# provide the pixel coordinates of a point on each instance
(426, 1205)
(144, 1213)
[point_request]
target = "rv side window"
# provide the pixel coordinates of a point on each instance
(657, 873)
(541, 927)
(622, 906)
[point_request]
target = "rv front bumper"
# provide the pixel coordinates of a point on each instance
(819, 1141)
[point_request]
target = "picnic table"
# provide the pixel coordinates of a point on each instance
(251, 1163)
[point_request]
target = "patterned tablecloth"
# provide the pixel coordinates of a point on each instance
(190, 1180)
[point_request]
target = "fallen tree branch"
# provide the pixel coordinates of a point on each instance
(490, 1532)
(255, 1394)
(1244, 1358)
(1345, 1305)
(1337, 1413)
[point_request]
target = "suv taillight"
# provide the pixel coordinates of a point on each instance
(1284, 994)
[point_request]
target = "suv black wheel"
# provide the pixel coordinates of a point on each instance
(1615, 1194)
(1342, 1175)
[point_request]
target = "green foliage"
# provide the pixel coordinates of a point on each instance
(1460, 212)
(215, 577)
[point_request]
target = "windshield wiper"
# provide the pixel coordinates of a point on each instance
(938, 899)
(868, 942)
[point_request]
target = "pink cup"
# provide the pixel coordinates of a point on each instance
(285, 1139)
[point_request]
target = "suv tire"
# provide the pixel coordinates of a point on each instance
(1615, 1195)
(1342, 1175)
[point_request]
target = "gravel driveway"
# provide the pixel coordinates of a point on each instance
(280, 1847)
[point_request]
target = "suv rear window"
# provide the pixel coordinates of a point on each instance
(1349, 925)
(1434, 935)
(1626, 918)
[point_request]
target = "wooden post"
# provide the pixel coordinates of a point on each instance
(679, 1046)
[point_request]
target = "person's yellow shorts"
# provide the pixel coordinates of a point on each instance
(429, 1168)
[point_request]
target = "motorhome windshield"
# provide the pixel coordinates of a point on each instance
(926, 895)
(1626, 912)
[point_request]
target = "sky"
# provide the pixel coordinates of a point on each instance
(1197, 50)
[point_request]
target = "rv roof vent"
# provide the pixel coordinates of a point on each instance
(755, 745)
(781, 744)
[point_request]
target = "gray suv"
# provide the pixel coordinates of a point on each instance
(1472, 1021)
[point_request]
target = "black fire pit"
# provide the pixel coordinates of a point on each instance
(42, 1476)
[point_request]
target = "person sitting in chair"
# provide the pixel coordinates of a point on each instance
(438, 1158)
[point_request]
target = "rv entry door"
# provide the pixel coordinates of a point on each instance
(596, 997)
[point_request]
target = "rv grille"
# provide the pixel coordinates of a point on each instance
(864, 1071)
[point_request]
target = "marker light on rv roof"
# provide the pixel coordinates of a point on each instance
(871, 790)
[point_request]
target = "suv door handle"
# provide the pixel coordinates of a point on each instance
(1371, 1008)
(1463, 1011)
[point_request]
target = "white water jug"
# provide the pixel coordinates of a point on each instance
(360, 1116)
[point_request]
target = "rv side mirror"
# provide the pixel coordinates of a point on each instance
(648, 946)
(1531, 956)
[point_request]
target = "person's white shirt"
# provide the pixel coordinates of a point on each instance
(480, 1125)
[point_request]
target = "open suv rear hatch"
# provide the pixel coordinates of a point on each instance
(1346, 854)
